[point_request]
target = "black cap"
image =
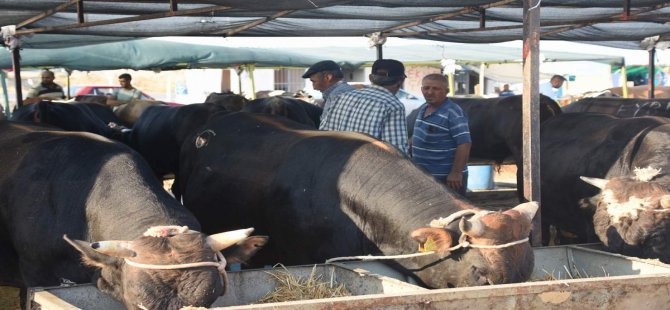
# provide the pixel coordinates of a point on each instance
(326, 65)
(389, 67)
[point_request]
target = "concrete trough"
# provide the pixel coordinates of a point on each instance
(564, 277)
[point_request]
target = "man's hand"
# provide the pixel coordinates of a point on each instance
(455, 180)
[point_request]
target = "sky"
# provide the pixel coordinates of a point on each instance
(633, 57)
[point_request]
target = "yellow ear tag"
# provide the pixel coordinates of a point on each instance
(428, 246)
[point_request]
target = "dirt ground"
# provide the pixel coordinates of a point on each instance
(9, 298)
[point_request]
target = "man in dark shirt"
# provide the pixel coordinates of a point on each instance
(47, 90)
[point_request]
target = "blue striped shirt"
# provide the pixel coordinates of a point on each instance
(372, 110)
(436, 137)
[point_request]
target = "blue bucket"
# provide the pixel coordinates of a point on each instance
(480, 177)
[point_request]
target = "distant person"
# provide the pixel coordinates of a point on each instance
(505, 91)
(553, 89)
(441, 140)
(327, 77)
(46, 90)
(124, 94)
(373, 110)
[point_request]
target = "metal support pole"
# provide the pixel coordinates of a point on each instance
(16, 66)
(624, 81)
(5, 92)
(482, 69)
(69, 74)
(251, 68)
(379, 51)
(531, 112)
(652, 75)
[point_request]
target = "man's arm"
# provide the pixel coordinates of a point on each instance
(455, 177)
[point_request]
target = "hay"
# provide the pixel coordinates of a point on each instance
(551, 276)
(290, 287)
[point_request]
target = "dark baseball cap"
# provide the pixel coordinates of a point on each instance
(326, 65)
(388, 67)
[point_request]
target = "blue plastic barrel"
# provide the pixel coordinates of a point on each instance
(480, 177)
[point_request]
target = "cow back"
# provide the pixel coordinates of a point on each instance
(160, 131)
(72, 117)
(73, 183)
(291, 108)
(621, 107)
(228, 101)
(496, 125)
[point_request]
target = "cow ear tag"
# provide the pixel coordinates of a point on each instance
(428, 246)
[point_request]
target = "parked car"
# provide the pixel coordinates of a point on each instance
(410, 100)
(96, 90)
(105, 91)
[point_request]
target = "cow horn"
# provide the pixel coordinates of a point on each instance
(472, 227)
(528, 209)
(116, 248)
(665, 201)
(599, 183)
(223, 240)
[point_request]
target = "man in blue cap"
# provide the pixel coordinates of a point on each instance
(374, 110)
(326, 77)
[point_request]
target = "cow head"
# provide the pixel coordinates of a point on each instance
(632, 214)
(168, 268)
(499, 251)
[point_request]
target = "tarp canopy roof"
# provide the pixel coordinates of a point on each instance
(620, 23)
(154, 54)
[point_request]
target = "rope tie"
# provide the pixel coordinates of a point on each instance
(462, 243)
(220, 265)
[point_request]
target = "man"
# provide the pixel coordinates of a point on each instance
(124, 94)
(373, 110)
(326, 77)
(441, 141)
(553, 89)
(505, 91)
(46, 90)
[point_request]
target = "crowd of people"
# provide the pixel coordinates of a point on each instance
(440, 143)
(48, 90)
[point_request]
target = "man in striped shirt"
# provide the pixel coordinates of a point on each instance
(373, 110)
(441, 140)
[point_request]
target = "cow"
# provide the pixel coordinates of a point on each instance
(160, 131)
(291, 108)
(228, 100)
(76, 207)
(621, 107)
(89, 117)
(628, 216)
(131, 111)
(496, 127)
(328, 194)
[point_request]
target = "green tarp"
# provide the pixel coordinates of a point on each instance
(154, 54)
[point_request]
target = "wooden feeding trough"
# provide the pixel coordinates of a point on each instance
(565, 277)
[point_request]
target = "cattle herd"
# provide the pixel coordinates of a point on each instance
(81, 197)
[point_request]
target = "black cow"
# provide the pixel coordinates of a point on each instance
(56, 183)
(496, 127)
(227, 100)
(630, 214)
(160, 131)
(291, 108)
(621, 107)
(326, 194)
(89, 117)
